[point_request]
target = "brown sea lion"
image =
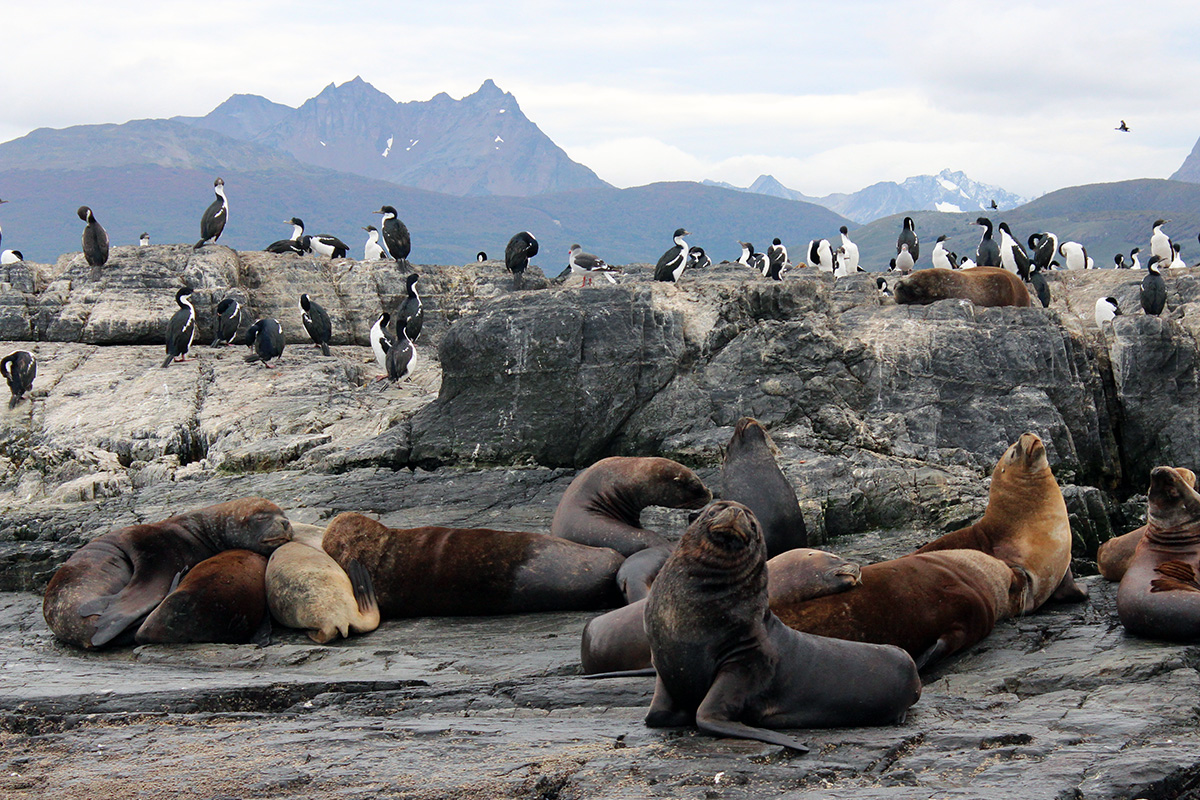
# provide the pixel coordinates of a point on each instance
(104, 591)
(1159, 596)
(751, 476)
(983, 286)
(617, 642)
(434, 571)
(309, 590)
(637, 572)
(931, 604)
(1025, 523)
(221, 599)
(728, 665)
(603, 505)
(1114, 556)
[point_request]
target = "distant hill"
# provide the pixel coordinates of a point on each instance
(620, 225)
(1190, 169)
(1106, 218)
(947, 191)
(480, 145)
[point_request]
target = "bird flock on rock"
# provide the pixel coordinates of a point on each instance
(396, 353)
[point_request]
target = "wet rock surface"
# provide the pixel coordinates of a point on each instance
(888, 421)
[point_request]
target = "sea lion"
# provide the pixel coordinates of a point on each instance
(638, 570)
(603, 505)
(1025, 523)
(309, 590)
(1113, 556)
(104, 591)
(435, 571)
(983, 286)
(931, 604)
(221, 599)
(726, 663)
(617, 642)
(751, 476)
(1159, 596)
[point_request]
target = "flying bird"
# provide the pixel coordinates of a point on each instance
(1122, 127)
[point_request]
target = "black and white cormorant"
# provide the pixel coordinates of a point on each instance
(229, 316)
(266, 337)
(820, 255)
(586, 264)
(372, 250)
(19, 369)
(1135, 262)
(941, 258)
(401, 356)
(144, 240)
(215, 216)
(1160, 243)
(181, 329)
(326, 245)
(520, 248)
(480, 257)
(850, 257)
(988, 252)
(777, 259)
(1075, 255)
(1107, 309)
(1154, 288)
(380, 344)
(672, 263)
(95, 238)
(396, 240)
(881, 285)
(316, 322)
(1012, 256)
(292, 245)
(1119, 261)
(908, 236)
(1177, 262)
(697, 258)
(412, 313)
(9, 256)
(1044, 247)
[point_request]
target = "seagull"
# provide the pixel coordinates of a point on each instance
(585, 264)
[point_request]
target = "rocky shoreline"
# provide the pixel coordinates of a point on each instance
(888, 420)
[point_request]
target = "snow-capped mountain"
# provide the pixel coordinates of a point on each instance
(947, 191)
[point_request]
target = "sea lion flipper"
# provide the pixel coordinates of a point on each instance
(127, 610)
(262, 636)
(738, 730)
(97, 605)
(726, 700)
(1068, 591)
(934, 653)
(364, 588)
(663, 711)
(1178, 576)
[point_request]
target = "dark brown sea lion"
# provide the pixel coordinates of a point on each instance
(983, 286)
(931, 604)
(751, 476)
(221, 599)
(434, 571)
(1159, 596)
(637, 572)
(103, 592)
(309, 590)
(1025, 523)
(728, 665)
(617, 642)
(603, 505)
(1114, 556)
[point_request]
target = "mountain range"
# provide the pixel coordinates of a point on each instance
(467, 174)
(947, 191)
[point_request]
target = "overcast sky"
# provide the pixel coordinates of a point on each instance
(828, 97)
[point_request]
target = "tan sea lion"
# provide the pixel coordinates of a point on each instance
(983, 286)
(931, 604)
(1159, 595)
(435, 571)
(1113, 556)
(617, 642)
(221, 599)
(104, 591)
(309, 590)
(751, 476)
(603, 505)
(1025, 523)
(728, 665)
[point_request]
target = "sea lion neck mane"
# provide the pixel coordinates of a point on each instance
(1173, 510)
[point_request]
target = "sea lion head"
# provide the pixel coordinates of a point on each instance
(1173, 503)
(1026, 456)
(676, 486)
(255, 523)
(747, 433)
(727, 532)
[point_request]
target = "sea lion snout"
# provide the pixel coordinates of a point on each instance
(729, 520)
